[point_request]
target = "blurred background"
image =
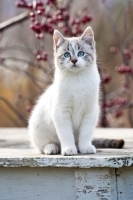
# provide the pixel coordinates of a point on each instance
(26, 54)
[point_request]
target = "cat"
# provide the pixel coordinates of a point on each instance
(65, 116)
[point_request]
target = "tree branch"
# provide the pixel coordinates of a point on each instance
(14, 21)
(128, 105)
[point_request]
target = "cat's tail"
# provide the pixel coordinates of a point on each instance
(108, 143)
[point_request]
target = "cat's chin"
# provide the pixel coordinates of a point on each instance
(76, 69)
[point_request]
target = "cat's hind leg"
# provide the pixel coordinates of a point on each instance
(51, 149)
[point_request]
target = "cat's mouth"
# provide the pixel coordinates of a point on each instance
(74, 66)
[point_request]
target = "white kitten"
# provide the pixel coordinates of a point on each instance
(65, 116)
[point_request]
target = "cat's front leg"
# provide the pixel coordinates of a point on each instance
(86, 133)
(63, 125)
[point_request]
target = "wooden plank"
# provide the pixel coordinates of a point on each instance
(15, 151)
(37, 184)
(12, 136)
(125, 183)
(96, 184)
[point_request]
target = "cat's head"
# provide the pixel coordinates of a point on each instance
(75, 53)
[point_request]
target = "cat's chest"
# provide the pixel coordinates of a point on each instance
(79, 98)
(78, 104)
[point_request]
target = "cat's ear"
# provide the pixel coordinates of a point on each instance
(58, 38)
(88, 36)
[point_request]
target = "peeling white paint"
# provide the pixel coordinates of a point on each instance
(74, 161)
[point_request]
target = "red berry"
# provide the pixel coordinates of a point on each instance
(30, 5)
(74, 32)
(74, 21)
(42, 9)
(66, 15)
(32, 19)
(39, 12)
(112, 49)
(58, 12)
(2, 60)
(125, 85)
(125, 51)
(39, 3)
(128, 69)
(44, 56)
(19, 96)
(49, 20)
(39, 57)
(103, 104)
(121, 101)
(123, 69)
(118, 114)
(60, 25)
(62, 9)
(36, 52)
(66, 30)
(128, 56)
(86, 18)
(28, 108)
(59, 17)
(50, 30)
(22, 4)
(110, 103)
(39, 35)
(32, 14)
(106, 78)
(128, 10)
(131, 49)
(48, 2)
(36, 27)
(71, 21)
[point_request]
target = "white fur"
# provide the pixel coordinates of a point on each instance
(66, 114)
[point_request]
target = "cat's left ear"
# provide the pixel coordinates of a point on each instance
(88, 36)
(58, 38)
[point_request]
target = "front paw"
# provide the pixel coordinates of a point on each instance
(69, 151)
(51, 149)
(90, 149)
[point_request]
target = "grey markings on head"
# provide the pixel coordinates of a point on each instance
(86, 57)
(71, 49)
(90, 42)
(72, 46)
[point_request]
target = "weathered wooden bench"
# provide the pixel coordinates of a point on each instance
(27, 175)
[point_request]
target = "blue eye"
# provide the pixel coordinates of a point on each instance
(67, 55)
(80, 53)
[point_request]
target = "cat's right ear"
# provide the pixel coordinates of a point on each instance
(58, 38)
(88, 36)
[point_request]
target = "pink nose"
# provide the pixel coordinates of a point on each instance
(74, 61)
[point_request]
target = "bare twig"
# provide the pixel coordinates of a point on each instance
(30, 76)
(114, 28)
(112, 110)
(17, 48)
(115, 93)
(14, 21)
(30, 64)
